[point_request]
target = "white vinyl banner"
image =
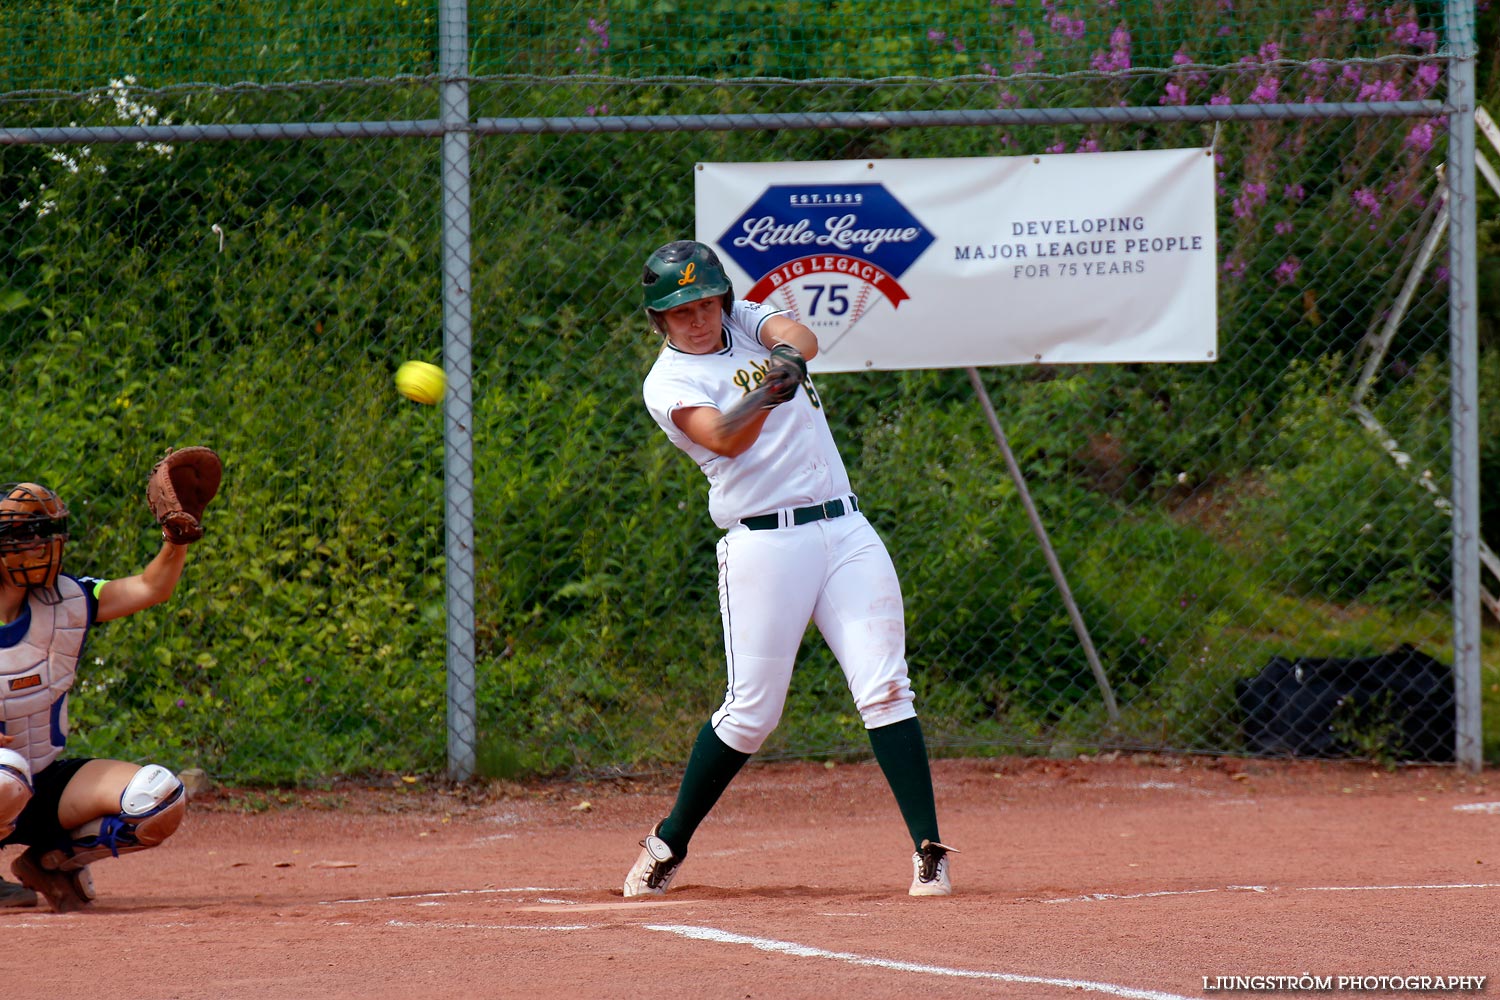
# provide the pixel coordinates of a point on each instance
(956, 263)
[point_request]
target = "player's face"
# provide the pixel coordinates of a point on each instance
(33, 565)
(696, 327)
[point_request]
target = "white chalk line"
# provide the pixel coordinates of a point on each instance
(807, 951)
(1097, 897)
(1396, 888)
(440, 895)
(441, 925)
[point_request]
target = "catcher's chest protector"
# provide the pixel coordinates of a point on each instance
(37, 673)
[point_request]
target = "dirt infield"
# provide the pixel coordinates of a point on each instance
(1133, 877)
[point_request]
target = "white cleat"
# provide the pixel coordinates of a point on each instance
(653, 871)
(929, 870)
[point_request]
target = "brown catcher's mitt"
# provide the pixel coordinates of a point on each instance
(180, 487)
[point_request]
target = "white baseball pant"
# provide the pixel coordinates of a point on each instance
(836, 573)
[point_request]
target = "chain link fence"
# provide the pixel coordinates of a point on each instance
(237, 242)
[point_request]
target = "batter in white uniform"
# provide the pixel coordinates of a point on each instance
(730, 389)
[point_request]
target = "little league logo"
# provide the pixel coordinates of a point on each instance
(828, 253)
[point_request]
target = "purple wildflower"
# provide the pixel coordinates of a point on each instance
(1367, 200)
(1294, 192)
(1380, 90)
(1118, 56)
(1175, 94)
(1067, 26)
(1284, 228)
(1234, 266)
(593, 46)
(1265, 90)
(1420, 137)
(1425, 78)
(1030, 54)
(1286, 271)
(1252, 196)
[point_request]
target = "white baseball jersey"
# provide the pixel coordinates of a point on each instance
(793, 463)
(834, 571)
(38, 662)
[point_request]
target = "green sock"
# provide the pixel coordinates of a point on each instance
(902, 754)
(710, 768)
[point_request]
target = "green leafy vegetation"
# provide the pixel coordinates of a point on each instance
(257, 297)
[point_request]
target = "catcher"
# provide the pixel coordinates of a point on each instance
(70, 812)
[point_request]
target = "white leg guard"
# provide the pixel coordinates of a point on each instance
(15, 789)
(151, 809)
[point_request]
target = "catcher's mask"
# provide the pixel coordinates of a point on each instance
(681, 272)
(33, 528)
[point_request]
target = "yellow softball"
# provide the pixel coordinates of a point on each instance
(421, 382)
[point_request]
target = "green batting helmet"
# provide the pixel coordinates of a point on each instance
(680, 272)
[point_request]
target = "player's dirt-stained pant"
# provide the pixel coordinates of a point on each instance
(836, 573)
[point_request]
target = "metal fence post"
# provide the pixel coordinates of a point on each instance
(458, 443)
(1463, 307)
